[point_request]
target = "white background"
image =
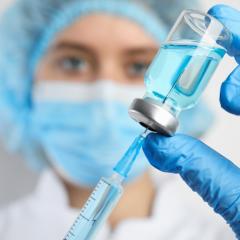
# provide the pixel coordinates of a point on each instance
(16, 180)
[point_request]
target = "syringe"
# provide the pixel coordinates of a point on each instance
(104, 197)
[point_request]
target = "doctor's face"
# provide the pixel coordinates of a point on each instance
(99, 47)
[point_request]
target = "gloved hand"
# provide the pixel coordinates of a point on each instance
(213, 177)
(230, 89)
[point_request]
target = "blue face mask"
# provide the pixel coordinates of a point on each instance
(85, 129)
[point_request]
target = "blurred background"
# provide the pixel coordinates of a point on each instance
(16, 180)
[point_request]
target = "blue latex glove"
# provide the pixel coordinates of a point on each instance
(213, 177)
(230, 90)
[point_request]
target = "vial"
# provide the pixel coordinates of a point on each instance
(180, 71)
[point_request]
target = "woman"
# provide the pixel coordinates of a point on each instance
(66, 82)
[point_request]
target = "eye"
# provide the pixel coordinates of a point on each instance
(73, 64)
(137, 69)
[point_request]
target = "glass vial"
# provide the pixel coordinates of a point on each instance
(181, 70)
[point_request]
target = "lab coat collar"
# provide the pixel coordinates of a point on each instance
(175, 219)
(50, 188)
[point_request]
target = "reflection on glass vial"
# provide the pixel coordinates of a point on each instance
(180, 73)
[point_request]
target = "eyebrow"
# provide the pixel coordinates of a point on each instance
(141, 50)
(131, 51)
(71, 46)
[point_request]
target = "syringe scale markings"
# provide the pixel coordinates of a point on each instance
(104, 198)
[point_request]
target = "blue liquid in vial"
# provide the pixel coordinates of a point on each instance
(180, 73)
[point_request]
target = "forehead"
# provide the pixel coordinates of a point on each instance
(101, 29)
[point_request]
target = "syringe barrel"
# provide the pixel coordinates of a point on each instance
(112, 196)
(97, 208)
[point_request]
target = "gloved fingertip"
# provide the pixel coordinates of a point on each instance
(217, 9)
(229, 100)
(150, 140)
(229, 17)
(230, 93)
(154, 140)
(150, 149)
(151, 136)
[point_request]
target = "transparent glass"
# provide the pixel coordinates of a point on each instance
(96, 210)
(186, 61)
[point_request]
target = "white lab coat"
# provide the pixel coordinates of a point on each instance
(178, 214)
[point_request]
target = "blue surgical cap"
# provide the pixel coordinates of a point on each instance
(26, 29)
